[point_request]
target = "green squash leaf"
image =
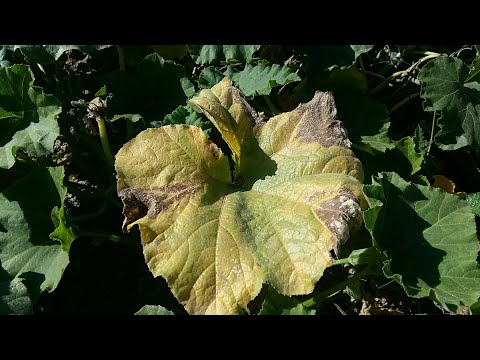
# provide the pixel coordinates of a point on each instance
(421, 145)
(322, 57)
(474, 201)
(153, 310)
(276, 304)
(171, 51)
(129, 117)
(47, 54)
(340, 79)
(214, 54)
(32, 246)
(474, 73)
(209, 77)
(6, 57)
(364, 256)
(475, 308)
(261, 79)
(445, 88)
(361, 49)
(184, 115)
(157, 88)
(13, 296)
(429, 237)
(28, 118)
(216, 239)
(366, 121)
(408, 148)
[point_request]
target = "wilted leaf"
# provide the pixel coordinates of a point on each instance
(157, 87)
(261, 79)
(27, 116)
(153, 310)
(445, 88)
(47, 54)
(294, 197)
(447, 185)
(276, 304)
(429, 237)
(214, 54)
(34, 239)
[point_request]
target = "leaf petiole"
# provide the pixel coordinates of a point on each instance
(431, 133)
(426, 53)
(271, 106)
(93, 215)
(121, 58)
(114, 238)
(316, 298)
(104, 140)
(402, 73)
(343, 261)
(403, 102)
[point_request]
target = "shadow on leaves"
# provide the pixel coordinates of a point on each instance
(399, 231)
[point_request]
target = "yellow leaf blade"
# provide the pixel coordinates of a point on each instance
(216, 243)
(231, 115)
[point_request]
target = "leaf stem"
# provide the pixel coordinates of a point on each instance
(315, 299)
(104, 139)
(129, 132)
(387, 80)
(20, 155)
(403, 102)
(402, 73)
(360, 62)
(93, 215)
(431, 133)
(386, 284)
(423, 59)
(271, 106)
(114, 238)
(380, 76)
(341, 261)
(58, 80)
(425, 53)
(93, 234)
(121, 61)
(121, 58)
(42, 69)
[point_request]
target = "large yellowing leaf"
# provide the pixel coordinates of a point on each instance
(295, 196)
(231, 115)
